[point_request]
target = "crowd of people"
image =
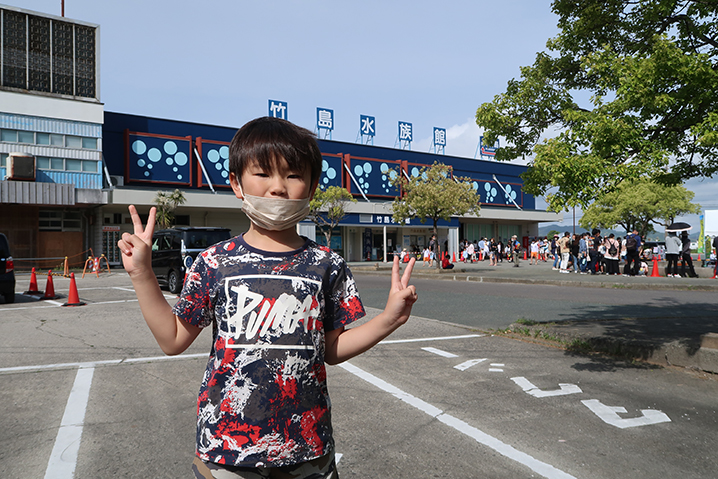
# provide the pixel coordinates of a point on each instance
(584, 253)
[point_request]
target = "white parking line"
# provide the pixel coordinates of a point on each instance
(63, 457)
(546, 470)
(439, 338)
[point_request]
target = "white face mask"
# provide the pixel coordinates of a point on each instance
(274, 214)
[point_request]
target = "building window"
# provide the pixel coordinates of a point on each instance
(54, 220)
(48, 55)
(51, 139)
(50, 220)
(46, 163)
(3, 160)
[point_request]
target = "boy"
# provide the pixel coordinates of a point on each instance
(278, 304)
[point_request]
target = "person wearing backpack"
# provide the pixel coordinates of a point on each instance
(633, 249)
(612, 255)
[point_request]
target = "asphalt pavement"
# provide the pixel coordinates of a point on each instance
(669, 342)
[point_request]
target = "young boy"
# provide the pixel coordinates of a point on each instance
(278, 304)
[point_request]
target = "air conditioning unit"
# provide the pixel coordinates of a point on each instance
(21, 167)
(117, 180)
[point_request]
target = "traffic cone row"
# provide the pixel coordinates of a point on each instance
(49, 287)
(73, 298)
(33, 285)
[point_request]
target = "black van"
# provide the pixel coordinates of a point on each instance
(7, 271)
(174, 250)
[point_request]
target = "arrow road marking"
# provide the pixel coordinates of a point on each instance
(467, 364)
(529, 388)
(608, 414)
(440, 352)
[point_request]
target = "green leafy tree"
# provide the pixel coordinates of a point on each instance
(435, 194)
(328, 207)
(639, 205)
(166, 204)
(629, 88)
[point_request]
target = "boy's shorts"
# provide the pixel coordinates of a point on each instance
(324, 467)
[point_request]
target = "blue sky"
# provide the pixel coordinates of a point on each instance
(220, 61)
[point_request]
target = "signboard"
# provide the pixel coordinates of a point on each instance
(439, 136)
(367, 125)
(488, 150)
(406, 131)
(278, 109)
(325, 119)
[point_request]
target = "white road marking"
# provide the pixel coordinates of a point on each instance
(94, 364)
(496, 370)
(529, 388)
(467, 364)
(439, 352)
(63, 457)
(546, 470)
(608, 414)
(440, 338)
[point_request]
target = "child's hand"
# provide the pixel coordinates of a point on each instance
(137, 248)
(402, 296)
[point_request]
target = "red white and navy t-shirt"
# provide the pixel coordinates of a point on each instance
(263, 399)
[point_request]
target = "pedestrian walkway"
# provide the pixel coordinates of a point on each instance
(668, 342)
(542, 273)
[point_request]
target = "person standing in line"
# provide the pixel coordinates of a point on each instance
(674, 247)
(565, 251)
(715, 251)
(612, 254)
(686, 256)
(595, 257)
(515, 250)
(534, 252)
(583, 253)
(575, 247)
(493, 252)
(633, 250)
(555, 252)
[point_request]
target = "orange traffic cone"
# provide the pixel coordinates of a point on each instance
(453, 257)
(33, 285)
(73, 298)
(654, 270)
(524, 255)
(49, 287)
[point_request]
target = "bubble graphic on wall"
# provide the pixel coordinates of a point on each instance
(328, 171)
(490, 192)
(166, 156)
(170, 147)
(139, 147)
(415, 172)
(510, 194)
(219, 158)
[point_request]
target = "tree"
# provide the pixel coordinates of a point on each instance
(434, 194)
(639, 205)
(166, 204)
(646, 72)
(328, 207)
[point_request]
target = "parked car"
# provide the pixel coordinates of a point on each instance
(174, 250)
(7, 271)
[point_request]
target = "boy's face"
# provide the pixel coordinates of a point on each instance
(281, 182)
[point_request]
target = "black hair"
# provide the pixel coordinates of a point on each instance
(265, 140)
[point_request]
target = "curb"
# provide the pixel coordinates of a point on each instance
(702, 356)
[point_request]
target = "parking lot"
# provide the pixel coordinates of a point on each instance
(88, 394)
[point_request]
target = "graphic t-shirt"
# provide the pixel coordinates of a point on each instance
(263, 399)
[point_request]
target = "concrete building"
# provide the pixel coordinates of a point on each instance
(69, 169)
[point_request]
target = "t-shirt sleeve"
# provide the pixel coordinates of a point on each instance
(193, 305)
(343, 305)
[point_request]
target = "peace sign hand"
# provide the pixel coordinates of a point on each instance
(402, 296)
(137, 248)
